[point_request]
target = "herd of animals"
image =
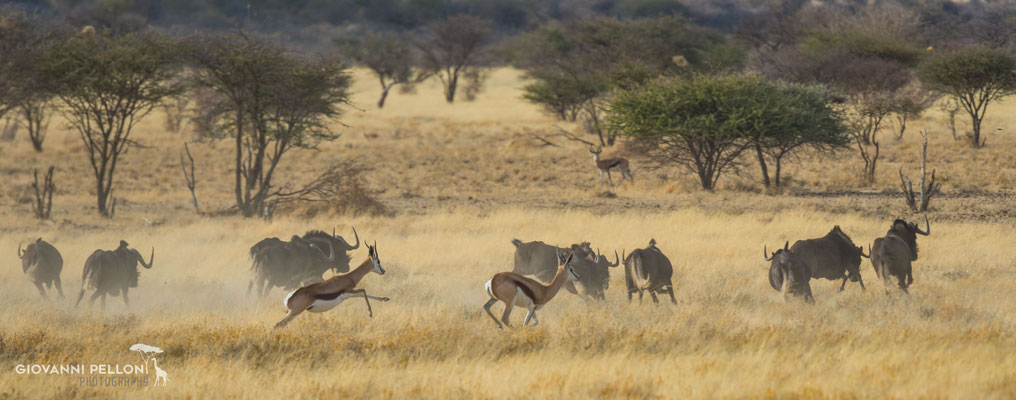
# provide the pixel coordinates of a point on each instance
(299, 265)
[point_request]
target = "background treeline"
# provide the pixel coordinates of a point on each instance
(708, 86)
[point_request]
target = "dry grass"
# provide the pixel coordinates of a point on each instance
(466, 179)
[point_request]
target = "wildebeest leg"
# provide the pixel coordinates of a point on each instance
(861, 281)
(364, 293)
(125, 301)
(670, 291)
(59, 288)
(903, 283)
(842, 285)
(80, 296)
(652, 293)
(250, 286)
(640, 296)
(629, 296)
(94, 296)
(38, 285)
(910, 277)
(103, 301)
(486, 307)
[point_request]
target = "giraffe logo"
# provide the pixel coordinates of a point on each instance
(148, 353)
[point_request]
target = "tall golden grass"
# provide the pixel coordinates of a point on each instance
(463, 181)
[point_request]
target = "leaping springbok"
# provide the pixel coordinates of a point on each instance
(514, 289)
(324, 296)
(617, 164)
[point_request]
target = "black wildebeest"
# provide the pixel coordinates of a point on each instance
(892, 255)
(541, 260)
(42, 263)
(789, 274)
(832, 257)
(112, 272)
(300, 261)
(594, 274)
(648, 270)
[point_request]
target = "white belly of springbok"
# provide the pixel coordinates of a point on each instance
(325, 305)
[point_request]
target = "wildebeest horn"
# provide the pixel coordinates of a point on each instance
(862, 251)
(331, 251)
(765, 253)
(354, 247)
(927, 226)
(151, 259)
(617, 261)
(623, 257)
(786, 246)
(598, 256)
(19, 250)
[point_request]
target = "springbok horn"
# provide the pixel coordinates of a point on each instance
(927, 226)
(765, 252)
(617, 261)
(19, 251)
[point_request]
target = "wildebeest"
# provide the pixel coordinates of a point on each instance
(112, 272)
(648, 270)
(298, 261)
(789, 274)
(594, 273)
(541, 260)
(892, 255)
(42, 263)
(832, 257)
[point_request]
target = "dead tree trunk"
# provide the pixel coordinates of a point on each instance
(188, 176)
(43, 194)
(920, 204)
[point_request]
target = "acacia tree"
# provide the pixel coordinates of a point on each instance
(453, 48)
(268, 102)
(388, 56)
(575, 66)
(701, 123)
(24, 88)
(796, 117)
(974, 77)
(107, 84)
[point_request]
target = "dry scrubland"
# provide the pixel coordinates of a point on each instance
(461, 182)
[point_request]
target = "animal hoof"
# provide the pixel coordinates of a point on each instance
(385, 299)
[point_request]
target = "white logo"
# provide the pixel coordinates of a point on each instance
(148, 352)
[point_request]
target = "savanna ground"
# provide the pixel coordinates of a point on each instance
(460, 182)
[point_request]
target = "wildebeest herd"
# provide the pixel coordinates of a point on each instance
(539, 272)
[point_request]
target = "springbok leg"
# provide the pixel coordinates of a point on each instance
(364, 293)
(529, 316)
(486, 307)
(507, 313)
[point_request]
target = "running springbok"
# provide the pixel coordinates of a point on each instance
(324, 296)
(617, 164)
(514, 289)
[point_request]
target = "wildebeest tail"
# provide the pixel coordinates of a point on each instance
(516, 242)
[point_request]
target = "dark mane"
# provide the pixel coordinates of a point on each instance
(907, 234)
(317, 234)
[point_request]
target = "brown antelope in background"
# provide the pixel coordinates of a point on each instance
(324, 296)
(616, 164)
(513, 289)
